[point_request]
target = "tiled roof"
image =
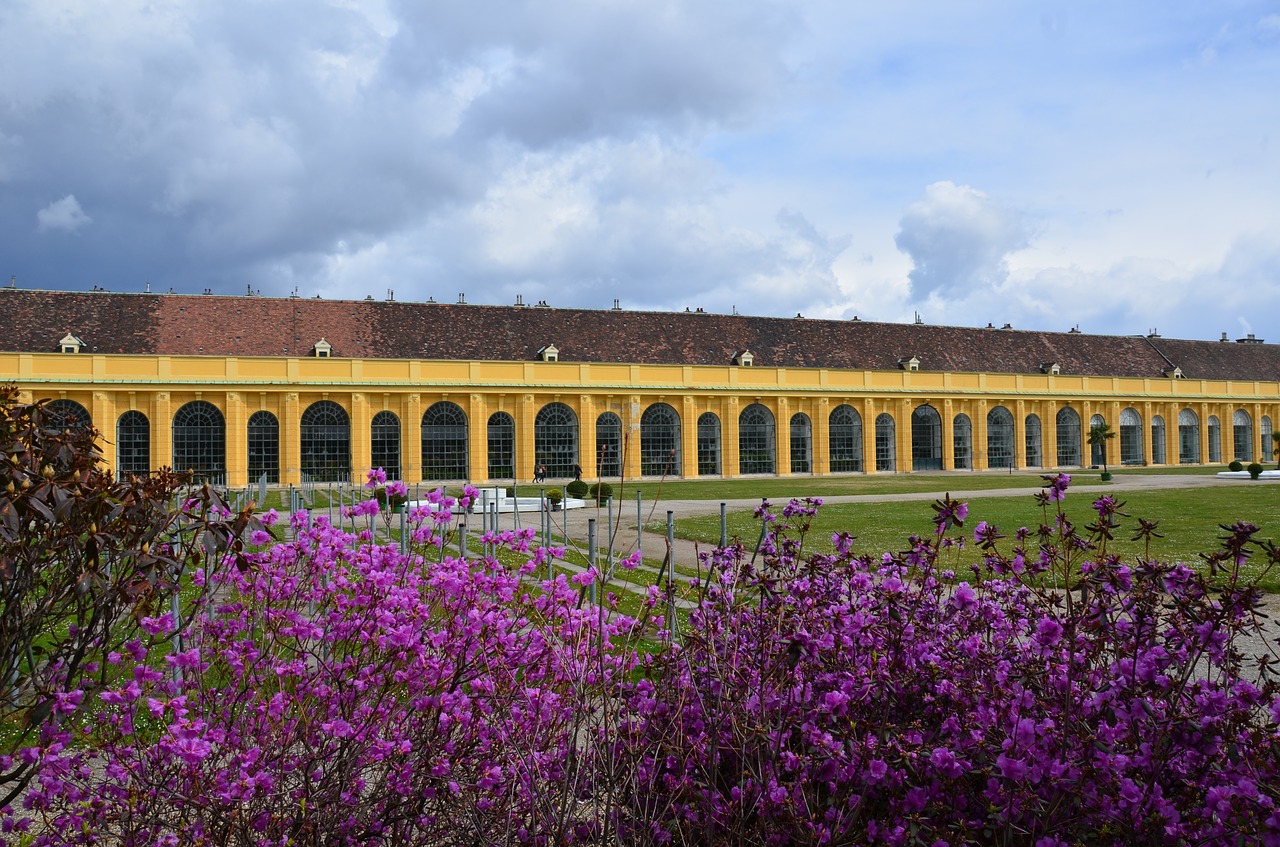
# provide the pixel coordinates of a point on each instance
(215, 325)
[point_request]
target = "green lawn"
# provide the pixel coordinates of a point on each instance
(1189, 520)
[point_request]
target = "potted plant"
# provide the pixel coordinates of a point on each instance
(1255, 470)
(1099, 435)
(554, 496)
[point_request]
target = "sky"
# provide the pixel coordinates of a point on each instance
(1111, 167)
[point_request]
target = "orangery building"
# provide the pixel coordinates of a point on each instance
(290, 390)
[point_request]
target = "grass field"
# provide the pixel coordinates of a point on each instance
(1189, 521)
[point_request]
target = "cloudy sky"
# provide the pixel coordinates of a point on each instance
(1111, 166)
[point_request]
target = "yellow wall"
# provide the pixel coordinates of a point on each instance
(158, 386)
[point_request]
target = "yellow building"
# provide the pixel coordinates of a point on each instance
(242, 388)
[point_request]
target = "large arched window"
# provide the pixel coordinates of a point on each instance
(962, 442)
(555, 439)
(1035, 442)
(1215, 440)
(660, 441)
(263, 433)
(1188, 437)
(845, 434)
(444, 441)
(1068, 425)
(886, 443)
(1158, 441)
(608, 445)
(999, 438)
(1097, 452)
(66, 414)
(324, 434)
(801, 443)
(756, 440)
(708, 444)
(133, 444)
(384, 443)
(200, 441)
(1242, 435)
(926, 439)
(1130, 437)
(1268, 444)
(502, 453)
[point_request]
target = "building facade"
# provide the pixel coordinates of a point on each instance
(289, 390)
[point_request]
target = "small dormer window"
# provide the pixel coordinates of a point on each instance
(912, 364)
(1051, 368)
(1173, 373)
(323, 349)
(70, 344)
(550, 353)
(744, 359)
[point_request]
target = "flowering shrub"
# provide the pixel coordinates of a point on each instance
(849, 698)
(343, 693)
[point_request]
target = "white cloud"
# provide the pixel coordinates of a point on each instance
(65, 215)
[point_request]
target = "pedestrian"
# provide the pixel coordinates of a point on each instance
(577, 473)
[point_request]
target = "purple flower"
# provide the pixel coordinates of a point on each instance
(963, 597)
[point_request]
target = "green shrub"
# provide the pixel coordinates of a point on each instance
(601, 491)
(554, 496)
(1254, 469)
(576, 489)
(1235, 465)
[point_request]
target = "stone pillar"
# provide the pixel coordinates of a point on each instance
(162, 431)
(782, 430)
(478, 438)
(689, 437)
(237, 440)
(730, 466)
(822, 437)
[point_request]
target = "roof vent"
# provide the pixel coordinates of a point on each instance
(70, 344)
(617, 306)
(1051, 368)
(1224, 337)
(911, 364)
(1075, 329)
(1173, 373)
(543, 304)
(322, 349)
(549, 353)
(1152, 333)
(519, 299)
(1007, 326)
(919, 320)
(1249, 339)
(744, 359)
(462, 298)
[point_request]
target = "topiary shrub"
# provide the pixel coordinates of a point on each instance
(1255, 470)
(576, 489)
(554, 496)
(1235, 465)
(601, 491)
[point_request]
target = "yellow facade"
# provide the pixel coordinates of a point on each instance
(107, 386)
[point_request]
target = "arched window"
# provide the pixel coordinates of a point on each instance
(1035, 442)
(608, 445)
(999, 438)
(384, 443)
(1158, 441)
(708, 444)
(886, 443)
(1268, 443)
(66, 414)
(1068, 437)
(200, 441)
(1097, 452)
(756, 440)
(1242, 435)
(444, 441)
(1188, 437)
(926, 439)
(846, 439)
(660, 441)
(324, 433)
(133, 444)
(1215, 440)
(502, 453)
(1130, 437)
(801, 443)
(264, 447)
(962, 442)
(555, 439)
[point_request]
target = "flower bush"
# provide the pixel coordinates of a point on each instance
(341, 692)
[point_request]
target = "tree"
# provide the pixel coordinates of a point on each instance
(85, 560)
(1099, 435)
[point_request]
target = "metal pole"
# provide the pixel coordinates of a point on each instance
(671, 569)
(724, 528)
(639, 524)
(609, 554)
(591, 556)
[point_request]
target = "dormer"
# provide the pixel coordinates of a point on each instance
(1051, 368)
(70, 344)
(1173, 373)
(550, 353)
(744, 359)
(322, 349)
(912, 364)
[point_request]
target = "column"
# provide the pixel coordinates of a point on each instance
(161, 431)
(869, 413)
(947, 413)
(237, 440)
(729, 465)
(782, 465)
(411, 439)
(689, 436)
(361, 436)
(587, 415)
(478, 438)
(822, 437)
(290, 440)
